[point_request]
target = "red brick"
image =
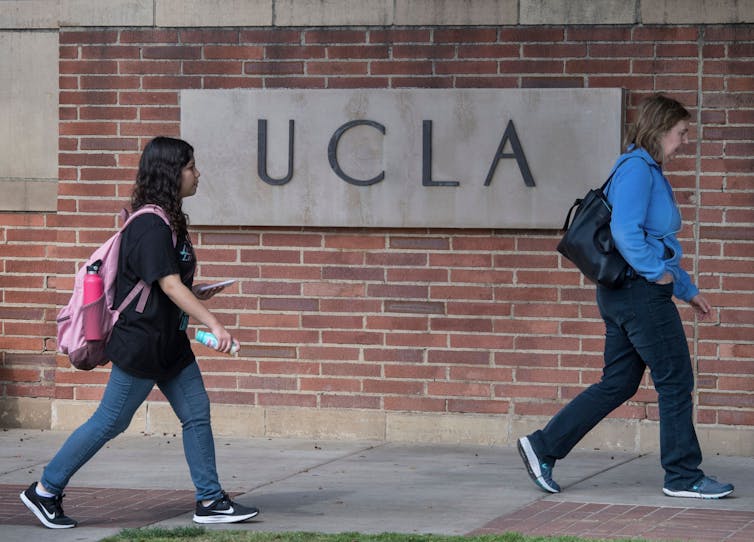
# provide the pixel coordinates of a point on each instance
(414, 404)
(397, 322)
(668, 33)
(208, 35)
(292, 82)
(88, 66)
(226, 52)
(288, 336)
(88, 98)
(400, 35)
(425, 340)
(107, 113)
(287, 399)
(283, 272)
(415, 372)
(148, 98)
(337, 68)
(599, 66)
(150, 67)
(458, 389)
(417, 275)
(289, 304)
(273, 35)
(288, 367)
(349, 401)
(405, 67)
(482, 407)
(267, 383)
(477, 340)
(273, 68)
(171, 82)
(358, 52)
(393, 354)
(322, 257)
(181, 52)
(215, 67)
(351, 369)
(155, 35)
(87, 36)
(327, 36)
(160, 113)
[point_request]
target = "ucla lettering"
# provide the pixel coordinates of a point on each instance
(509, 136)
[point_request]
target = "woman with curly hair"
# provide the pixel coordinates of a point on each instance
(152, 347)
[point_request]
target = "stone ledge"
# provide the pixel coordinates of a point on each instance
(636, 436)
(576, 12)
(696, 11)
(50, 14)
(29, 195)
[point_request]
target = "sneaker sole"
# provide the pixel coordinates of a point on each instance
(694, 494)
(40, 516)
(219, 518)
(531, 461)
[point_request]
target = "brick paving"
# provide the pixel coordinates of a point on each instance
(123, 508)
(613, 521)
(103, 507)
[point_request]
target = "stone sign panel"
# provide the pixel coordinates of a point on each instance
(456, 158)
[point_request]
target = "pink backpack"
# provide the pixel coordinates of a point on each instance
(73, 318)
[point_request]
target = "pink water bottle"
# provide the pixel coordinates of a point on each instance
(94, 288)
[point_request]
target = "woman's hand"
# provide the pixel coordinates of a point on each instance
(191, 305)
(667, 278)
(701, 306)
(225, 340)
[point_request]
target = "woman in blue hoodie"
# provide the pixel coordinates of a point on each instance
(643, 327)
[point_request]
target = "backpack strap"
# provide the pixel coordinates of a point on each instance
(142, 289)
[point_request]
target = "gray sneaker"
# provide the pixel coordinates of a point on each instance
(706, 488)
(539, 471)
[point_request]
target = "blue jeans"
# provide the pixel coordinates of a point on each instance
(123, 395)
(643, 329)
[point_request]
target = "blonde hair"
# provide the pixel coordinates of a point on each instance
(657, 115)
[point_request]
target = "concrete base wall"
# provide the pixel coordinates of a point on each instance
(638, 436)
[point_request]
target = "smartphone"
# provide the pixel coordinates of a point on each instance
(222, 284)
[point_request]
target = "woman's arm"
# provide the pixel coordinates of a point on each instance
(187, 301)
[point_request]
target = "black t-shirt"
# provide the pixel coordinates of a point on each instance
(153, 344)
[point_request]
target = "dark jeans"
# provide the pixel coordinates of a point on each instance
(643, 329)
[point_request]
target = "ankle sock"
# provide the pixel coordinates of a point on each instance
(43, 493)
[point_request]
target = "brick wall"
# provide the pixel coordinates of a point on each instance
(436, 322)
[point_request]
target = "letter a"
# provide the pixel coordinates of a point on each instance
(518, 154)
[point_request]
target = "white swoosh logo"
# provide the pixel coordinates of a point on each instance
(228, 511)
(46, 513)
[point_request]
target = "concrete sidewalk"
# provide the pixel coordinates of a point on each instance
(372, 487)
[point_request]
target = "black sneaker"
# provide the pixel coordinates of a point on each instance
(49, 510)
(539, 471)
(223, 510)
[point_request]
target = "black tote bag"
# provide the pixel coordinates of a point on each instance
(588, 242)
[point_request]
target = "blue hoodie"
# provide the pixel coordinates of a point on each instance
(646, 219)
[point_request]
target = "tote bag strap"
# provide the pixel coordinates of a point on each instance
(610, 178)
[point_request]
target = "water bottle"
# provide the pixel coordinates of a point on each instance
(208, 339)
(94, 289)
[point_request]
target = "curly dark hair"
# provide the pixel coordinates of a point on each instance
(158, 181)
